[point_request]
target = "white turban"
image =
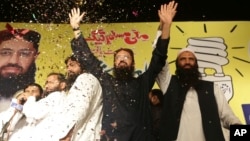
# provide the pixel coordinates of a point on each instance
(185, 49)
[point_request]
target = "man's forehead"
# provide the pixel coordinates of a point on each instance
(122, 52)
(31, 88)
(72, 62)
(16, 44)
(186, 54)
(52, 77)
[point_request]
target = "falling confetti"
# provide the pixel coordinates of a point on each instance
(116, 10)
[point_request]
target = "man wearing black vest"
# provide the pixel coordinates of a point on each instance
(194, 109)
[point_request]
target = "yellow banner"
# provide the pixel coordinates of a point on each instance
(223, 49)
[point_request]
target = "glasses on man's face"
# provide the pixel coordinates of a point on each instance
(20, 53)
(122, 57)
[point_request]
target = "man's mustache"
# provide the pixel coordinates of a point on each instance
(12, 65)
(188, 65)
(122, 62)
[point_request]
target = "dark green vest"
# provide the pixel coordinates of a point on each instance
(173, 104)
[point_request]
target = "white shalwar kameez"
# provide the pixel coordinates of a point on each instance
(82, 110)
(190, 128)
(36, 111)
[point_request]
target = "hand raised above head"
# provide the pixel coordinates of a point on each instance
(167, 12)
(75, 17)
(166, 15)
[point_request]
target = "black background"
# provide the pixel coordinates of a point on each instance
(56, 11)
(236, 133)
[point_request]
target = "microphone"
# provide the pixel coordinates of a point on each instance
(16, 105)
(22, 101)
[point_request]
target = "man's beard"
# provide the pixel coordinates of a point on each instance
(188, 77)
(71, 78)
(13, 83)
(124, 72)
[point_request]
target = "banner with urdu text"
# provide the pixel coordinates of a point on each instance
(223, 50)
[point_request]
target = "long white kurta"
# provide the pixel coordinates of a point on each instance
(191, 123)
(82, 108)
(36, 111)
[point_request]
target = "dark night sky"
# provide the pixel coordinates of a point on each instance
(56, 11)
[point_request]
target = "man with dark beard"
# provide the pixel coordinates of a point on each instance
(127, 115)
(74, 69)
(18, 52)
(122, 68)
(75, 116)
(194, 109)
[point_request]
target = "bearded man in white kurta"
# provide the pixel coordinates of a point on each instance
(194, 109)
(82, 112)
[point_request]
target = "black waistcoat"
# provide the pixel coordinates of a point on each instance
(173, 104)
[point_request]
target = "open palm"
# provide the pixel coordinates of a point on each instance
(75, 17)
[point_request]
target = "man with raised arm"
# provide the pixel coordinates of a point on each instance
(125, 98)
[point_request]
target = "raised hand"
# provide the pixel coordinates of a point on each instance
(167, 12)
(166, 15)
(75, 17)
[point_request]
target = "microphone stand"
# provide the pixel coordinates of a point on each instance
(6, 126)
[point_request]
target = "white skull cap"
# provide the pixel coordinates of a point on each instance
(185, 49)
